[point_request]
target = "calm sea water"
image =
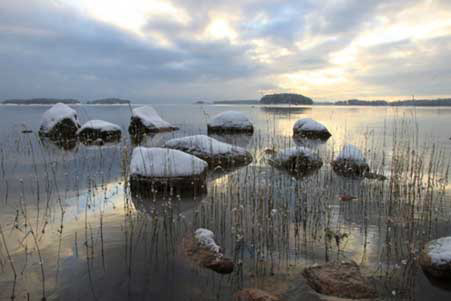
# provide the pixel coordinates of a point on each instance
(71, 230)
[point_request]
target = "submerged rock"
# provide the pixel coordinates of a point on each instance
(343, 280)
(146, 120)
(211, 150)
(94, 130)
(162, 169)
(297, 160)
(59, 122)
(230, 122)
(435, 258)
(350, 162)
(202, 249)
(254, 294)
(310, 128)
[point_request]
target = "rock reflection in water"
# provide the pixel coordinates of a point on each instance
(59, 144)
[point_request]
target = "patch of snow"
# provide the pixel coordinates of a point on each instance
(230, 119)
(164, 162)
(202, 144)
(297, 151)
(57, 113)
(207, 239)
(440, 250)
(100, 125)
(308, 124)
(150, 118)
(351, 153)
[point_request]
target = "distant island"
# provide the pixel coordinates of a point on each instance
(286, 98)
(109, 101)
(441, 102)
(236, 102)
(201, 102)
(40, 101)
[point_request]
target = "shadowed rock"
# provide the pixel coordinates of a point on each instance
(310, 128)
(59, 122)
(342, 280)
(93, 130)
(253, 294)
(350, 162)
(299, 161)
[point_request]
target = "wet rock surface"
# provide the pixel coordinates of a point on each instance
(339, 279)
(254, 294)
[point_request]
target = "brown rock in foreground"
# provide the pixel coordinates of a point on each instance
(342, 280)
(206, 257)
(253, 294)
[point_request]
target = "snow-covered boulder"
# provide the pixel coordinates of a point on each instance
(164, 168)
(211, 150)
(298, 160)
(146, 120)
(310, 128)
(202, 249)
(60, 121)
(207, 239)
(230, 122)
(435, 259)
(350, 162)
(99, 129)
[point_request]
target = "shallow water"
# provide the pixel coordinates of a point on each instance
(73, 230)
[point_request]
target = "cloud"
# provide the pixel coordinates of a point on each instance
(186, 50)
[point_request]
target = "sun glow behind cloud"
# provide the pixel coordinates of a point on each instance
(327, 50)
(131, 15)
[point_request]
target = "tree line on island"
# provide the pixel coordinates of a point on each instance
(270, 99)
(298, 99)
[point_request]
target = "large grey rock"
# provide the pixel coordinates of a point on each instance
(435, 258)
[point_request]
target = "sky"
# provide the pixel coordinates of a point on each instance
(183, 51)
